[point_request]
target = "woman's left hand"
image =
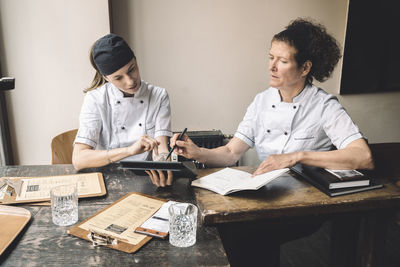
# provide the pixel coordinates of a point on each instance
(275, 162)
(158, 177)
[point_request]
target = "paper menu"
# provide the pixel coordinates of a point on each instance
(121, 219)
(39, 188)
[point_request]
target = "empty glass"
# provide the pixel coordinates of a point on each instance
(182, 224)
(64, 204)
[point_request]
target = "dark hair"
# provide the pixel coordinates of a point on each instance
(312, 43)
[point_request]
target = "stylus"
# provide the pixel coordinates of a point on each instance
(179, 138)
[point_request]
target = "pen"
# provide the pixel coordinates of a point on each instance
(159, 218)
(179, 138)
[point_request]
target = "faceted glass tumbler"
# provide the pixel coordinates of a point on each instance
(182, 224)
(64, 204)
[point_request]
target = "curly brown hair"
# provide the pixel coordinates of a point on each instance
(312, 43)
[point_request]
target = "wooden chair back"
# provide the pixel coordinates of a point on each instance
(62, 147)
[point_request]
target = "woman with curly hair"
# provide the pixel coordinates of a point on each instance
(293, 121)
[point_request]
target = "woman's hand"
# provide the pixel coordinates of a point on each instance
(185, 147)
(158, 177)
(276, 161)
(161, 178)
(147, 143)
(143, 144)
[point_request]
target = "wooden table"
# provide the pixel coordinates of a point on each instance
(359, 220)
(45, 244)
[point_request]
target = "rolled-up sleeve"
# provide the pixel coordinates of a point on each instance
(90, 122)
(338, 125)
(245, 130)
(163, 117)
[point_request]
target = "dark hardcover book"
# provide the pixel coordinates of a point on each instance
(336, 179)
(299, 170)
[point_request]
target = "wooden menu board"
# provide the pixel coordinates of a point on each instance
(12, 221)
(37, 189)
(115, 225)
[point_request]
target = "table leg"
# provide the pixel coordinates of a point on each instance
(359, 240)
(373, 237)
(344, 238)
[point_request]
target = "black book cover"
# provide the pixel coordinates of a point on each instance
(330, 181)
(299, 170)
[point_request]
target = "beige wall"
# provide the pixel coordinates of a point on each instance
(44, 45)
(212, 58)
(211, 55)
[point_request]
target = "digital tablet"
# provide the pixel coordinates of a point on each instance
(180, 169)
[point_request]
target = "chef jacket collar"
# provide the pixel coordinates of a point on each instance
(303, 94)
(119, 94)
(297, 99)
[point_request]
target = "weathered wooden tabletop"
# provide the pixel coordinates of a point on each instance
(359, 221)
(288, 196)
(44, 244)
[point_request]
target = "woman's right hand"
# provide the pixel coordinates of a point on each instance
(159, 178)
(143, 144)
(185, 147)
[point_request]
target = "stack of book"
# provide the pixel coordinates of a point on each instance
(336, 182)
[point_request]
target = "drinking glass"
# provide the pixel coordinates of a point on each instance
(182, 224)
(64, 204)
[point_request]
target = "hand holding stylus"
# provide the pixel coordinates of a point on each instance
(179, 138)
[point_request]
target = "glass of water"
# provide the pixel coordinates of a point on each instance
(182, 224)
(64, 204)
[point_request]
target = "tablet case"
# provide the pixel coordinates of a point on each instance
(185, 169)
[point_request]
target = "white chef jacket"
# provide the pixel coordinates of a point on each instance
(313, 122)
(109, 120)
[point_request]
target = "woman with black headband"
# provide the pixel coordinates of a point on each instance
(122, 116)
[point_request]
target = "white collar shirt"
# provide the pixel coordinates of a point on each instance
(315, 121)
(109, 120)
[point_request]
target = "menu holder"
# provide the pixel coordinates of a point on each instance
(115, 225)
(12, 221)
(37, 189)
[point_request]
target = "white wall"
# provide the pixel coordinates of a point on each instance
(45, 45)
(212, 58)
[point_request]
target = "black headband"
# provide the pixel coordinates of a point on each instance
(110, 53)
